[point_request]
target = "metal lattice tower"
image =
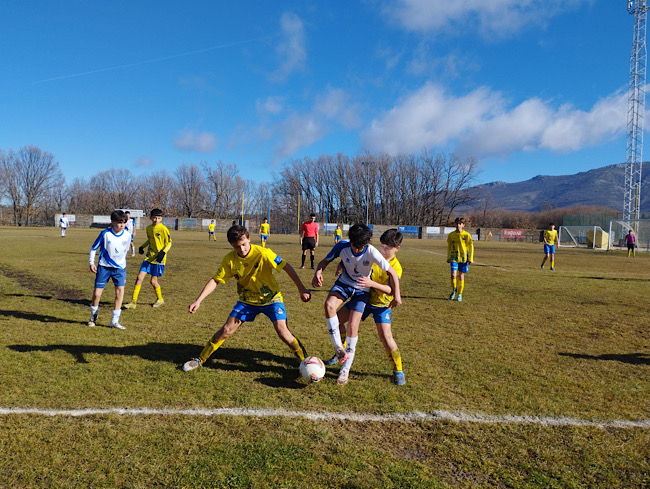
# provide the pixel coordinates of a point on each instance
(635, 113)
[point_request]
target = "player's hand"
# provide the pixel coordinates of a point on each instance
(396, 302)
(364, 282)
(93, 268)
(160, 256)
(317, 281)
(448, 261)
(470, 262)
(194, 306)
(305, 296)
(141, 250)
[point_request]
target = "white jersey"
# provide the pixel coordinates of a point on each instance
(64, 222)
(356, 266)
(129, 226)
(112, 248)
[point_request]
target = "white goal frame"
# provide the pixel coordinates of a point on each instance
(618, 229)
(593, 237)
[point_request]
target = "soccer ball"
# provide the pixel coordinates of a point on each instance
(312, 369)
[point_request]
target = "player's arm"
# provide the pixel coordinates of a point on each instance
(449, 249)
(317, 281)
(143, 246)
(368, 282)
(317, 234)
(305, 295)
(395, 288)
(207, 290)
(470, 251)
(93, 251)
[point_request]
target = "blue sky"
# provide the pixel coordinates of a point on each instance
(527, 87)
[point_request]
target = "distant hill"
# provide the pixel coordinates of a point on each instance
(599, 187)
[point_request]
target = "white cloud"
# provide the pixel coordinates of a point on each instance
(481, 124)
(272, 105)
(291, 49)
(489, 17)
(297, 132)
(144, 162)
(203, 142)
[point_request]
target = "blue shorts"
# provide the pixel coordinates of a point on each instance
(381, 314)
(152, 269)
(118, 275)
(264, 236)
(211, 233)
(356, 298)
(247, 312)
(463, 267)
(337, 239)
(548, 249)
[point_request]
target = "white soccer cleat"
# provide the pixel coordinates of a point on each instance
(116, 326)
(343, 377)
(192, 364)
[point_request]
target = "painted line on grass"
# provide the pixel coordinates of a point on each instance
(473, 263)
(457, 416)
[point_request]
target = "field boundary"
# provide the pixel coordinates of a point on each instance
(415, 416)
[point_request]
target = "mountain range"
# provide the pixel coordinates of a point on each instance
(598, 187)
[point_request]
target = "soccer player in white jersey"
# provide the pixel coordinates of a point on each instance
(357, 257)
(130, 228)
(64, 223)
(113, 245)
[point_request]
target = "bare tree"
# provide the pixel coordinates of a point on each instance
(9, 183)
(188, 191)
(220, 180)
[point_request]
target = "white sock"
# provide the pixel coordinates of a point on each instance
(116, 316)
(350, 349)
(93, 310)
(335, 334)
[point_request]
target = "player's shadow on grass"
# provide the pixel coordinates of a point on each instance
(619, 279)
(631, 358)
(41, 318)
(68, 300)
(226, 359)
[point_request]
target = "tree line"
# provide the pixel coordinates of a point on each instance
(414, 189)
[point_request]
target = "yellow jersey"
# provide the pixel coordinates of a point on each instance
(338, 232)
(550, 236)
(211, 227)
(377, 298)
(158, 239)
(460, 247)
(256, 284)
(264, 228)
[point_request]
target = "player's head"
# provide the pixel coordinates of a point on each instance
(460, 222)
(118, 216)
(266, 220)
(127, 214)
(240, 240)
(551, 225)
(359, 235)
(390, 241)
(156, 213)
(312, 216)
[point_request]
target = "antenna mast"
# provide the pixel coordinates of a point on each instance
(635, 114)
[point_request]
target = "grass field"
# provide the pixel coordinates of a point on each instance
(537, 379)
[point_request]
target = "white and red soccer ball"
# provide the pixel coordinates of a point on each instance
(312, 369)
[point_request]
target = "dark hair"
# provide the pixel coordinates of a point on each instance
(460, 219)
(391, 237)
(551, 224)
(156, 213)
(236, 233)
(360, 235)
(118, 216)
(127, 212)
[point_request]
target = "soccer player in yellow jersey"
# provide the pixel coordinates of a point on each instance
(550, 236)
(252, 267)
(211, 235)
(460, 255)
(338, 234)
(379, 303)
(158, 241)
(264, 231)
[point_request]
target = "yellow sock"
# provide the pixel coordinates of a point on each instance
(395, 360)
(552, 263)
(461, 286)
(136, 292)
(209, 349)
(297, 349)
(453, 284)
(158, 291)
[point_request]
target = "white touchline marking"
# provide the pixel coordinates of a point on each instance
(439, 415)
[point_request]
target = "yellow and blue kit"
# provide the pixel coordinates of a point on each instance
(460, 247)
(158, 239)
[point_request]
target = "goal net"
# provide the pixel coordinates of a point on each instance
(618, 230)
(583, 237)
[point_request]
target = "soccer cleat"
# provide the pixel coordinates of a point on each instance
(312, 267)
(552, 268)
(398, 378)
(130, 305)
(192, 364)
(343, 377)
(341, 355)
(158, 303)
(302, 266)
(452, 296)
(542, 267)
(116, 326)
(331, 361)
(93, 320)
(459, 298)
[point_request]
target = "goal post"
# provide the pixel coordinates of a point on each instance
(618, 229)
(583, 237)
